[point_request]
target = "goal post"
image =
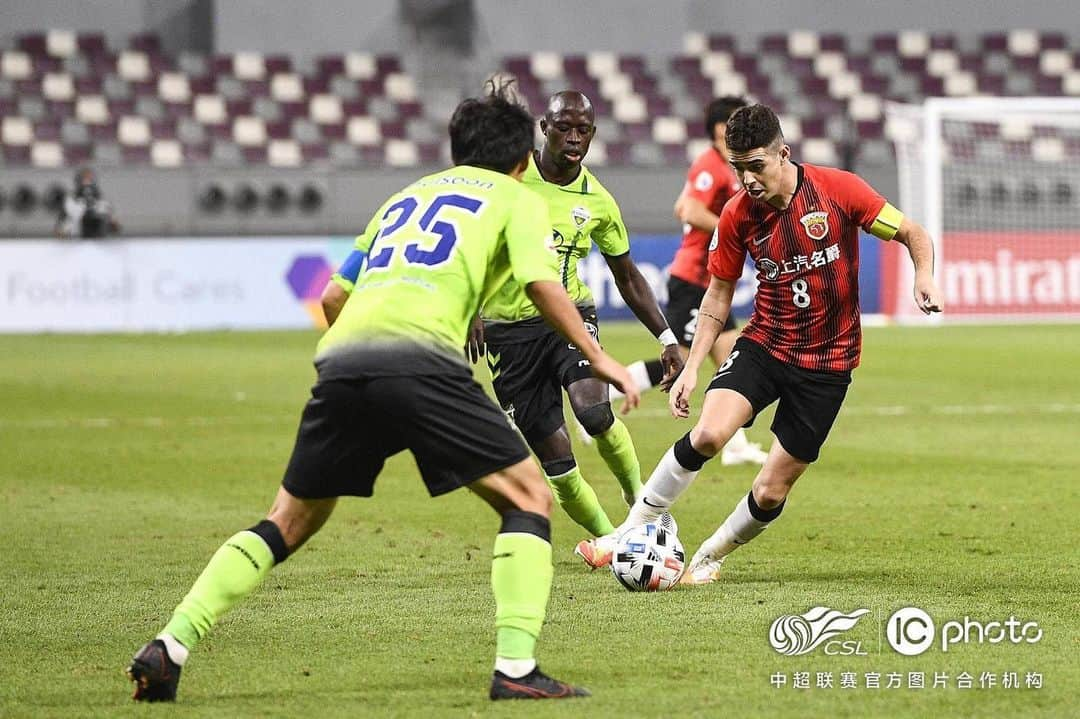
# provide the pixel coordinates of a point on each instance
(996, 183)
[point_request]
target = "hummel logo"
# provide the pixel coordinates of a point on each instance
(721, 374)
(654, 506)
(762, 239)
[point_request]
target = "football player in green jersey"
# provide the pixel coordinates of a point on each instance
(530, 364)
(391, 376)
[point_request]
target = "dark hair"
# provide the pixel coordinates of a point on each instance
(751, 127)
(719, 110)
(492, 132)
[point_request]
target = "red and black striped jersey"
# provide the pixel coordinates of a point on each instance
(806, 311)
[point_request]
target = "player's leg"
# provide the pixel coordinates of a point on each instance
(592, 408)
(646, 375)
(521, 571)
(739, 449)
(303, 504)
(576, 497)
(234, 571)
(460, 438)
(528, 390)
(809, 403)
(590, 404)
(751, 515)
(740, 390)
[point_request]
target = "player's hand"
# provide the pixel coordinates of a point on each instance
(474, 345)
(928, 297)
(672, 360)
(679, 399)
(608, 369)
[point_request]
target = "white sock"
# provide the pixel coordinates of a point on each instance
(640, 374)
(668, 481)
(514, 668)
(176, 651)
(738, 529)
(738, 441)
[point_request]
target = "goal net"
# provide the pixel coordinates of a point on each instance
(996, 182)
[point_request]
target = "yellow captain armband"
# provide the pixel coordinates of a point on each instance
(887, 223)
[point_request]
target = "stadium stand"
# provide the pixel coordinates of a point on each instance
(67, 98)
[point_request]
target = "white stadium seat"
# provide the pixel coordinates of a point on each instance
(249, 131)
(284, 153)
(363, 130)
(133, 130)
(92, 109)
(166, 153)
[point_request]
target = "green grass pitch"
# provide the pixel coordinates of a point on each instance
(950, 482)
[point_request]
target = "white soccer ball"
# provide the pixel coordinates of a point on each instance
(648, 558)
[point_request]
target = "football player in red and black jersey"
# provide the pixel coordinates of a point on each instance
(710, 183)
(800, 225)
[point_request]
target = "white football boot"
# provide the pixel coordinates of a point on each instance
(702, 570)
(749, 453)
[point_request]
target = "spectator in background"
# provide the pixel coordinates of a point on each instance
(84, 214)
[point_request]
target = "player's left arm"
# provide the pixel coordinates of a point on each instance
(921, 248)
(882, 220)
(635, 290)
(614, 243)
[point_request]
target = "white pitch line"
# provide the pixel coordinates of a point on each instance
(897, 410)
(652, 412)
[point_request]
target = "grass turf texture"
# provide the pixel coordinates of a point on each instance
(949, 483)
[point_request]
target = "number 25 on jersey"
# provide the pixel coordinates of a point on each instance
(383, 248)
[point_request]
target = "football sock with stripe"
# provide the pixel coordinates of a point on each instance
(676, 470)
(233, 572)
(617, 450)
(521, 581)
(576, 497)
(745, 522)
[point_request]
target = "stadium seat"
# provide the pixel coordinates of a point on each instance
(72, 89)
(47, 154)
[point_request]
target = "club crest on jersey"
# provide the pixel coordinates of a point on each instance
(816, 224)
(580, 216)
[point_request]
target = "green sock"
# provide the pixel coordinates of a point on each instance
(233, 572)
(521, 580)
(617, 450)
(579, 500)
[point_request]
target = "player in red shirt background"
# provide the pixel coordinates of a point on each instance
(710, 183)
(800, 225)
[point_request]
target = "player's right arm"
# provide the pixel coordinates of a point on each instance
(715, 306)
(691, 211)
(692, 207)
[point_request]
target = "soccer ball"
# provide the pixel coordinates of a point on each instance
(648, 558)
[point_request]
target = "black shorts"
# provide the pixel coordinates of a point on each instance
(351, 425)
(529, 377)
(809, 401)
(684, 299)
